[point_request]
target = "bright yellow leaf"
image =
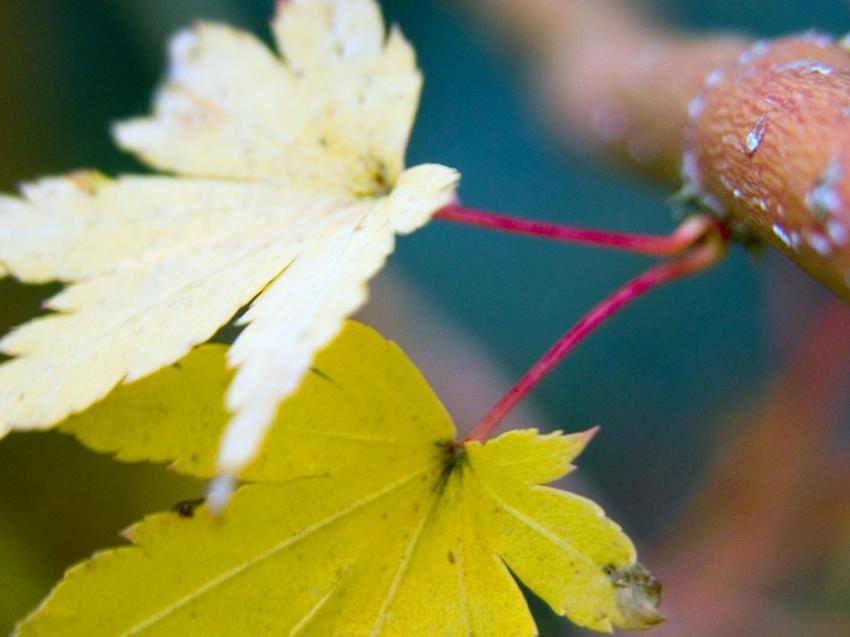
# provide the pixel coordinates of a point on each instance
(290, 188)
(369, 519)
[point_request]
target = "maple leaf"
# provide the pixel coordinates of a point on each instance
(291, 189)
(367, 518)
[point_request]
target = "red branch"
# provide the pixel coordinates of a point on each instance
(757, 132)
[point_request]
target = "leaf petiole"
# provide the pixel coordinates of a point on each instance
(702, 256)
(685, 236)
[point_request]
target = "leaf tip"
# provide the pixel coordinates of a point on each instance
(590, 434)
(128, 533)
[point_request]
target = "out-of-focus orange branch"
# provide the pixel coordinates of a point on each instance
(774, 504)
(757, 132)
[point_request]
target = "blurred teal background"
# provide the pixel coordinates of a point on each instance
(659, 378)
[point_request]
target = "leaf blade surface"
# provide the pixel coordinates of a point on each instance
(366, 520)
(289, 190)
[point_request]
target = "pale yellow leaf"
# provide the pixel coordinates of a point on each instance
(290, 192)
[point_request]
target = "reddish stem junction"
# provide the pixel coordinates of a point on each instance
(700, 241)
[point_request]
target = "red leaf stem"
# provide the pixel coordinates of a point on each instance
(685, 236)
(700, 258)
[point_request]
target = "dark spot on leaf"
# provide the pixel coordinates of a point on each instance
(186, 508)
(318, 372)
(381, 179)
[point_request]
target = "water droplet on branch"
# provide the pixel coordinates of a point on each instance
(756, 134)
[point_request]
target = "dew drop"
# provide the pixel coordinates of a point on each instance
(820, 244)
(824, 199)
(837, 232)
(757, 50)
(783, 236)
(823, 40)
(820, 69)
(690, 172)
(756, 134)
(805, 67)
(761, 204)
(696, 106)
(795, 241)
(714, 78)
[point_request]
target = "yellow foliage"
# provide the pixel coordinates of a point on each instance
(367, 518)
(290, 191)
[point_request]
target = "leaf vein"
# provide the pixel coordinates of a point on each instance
(274, 550)
(539, 528)
(403, 566)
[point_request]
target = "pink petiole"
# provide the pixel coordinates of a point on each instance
(653, 245)
(703, 255)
